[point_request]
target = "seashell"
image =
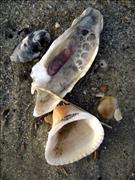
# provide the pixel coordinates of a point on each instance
(107, 106)
(103, 64)
(118, 114)
(67, 60)
(32, 46)
(74, 135)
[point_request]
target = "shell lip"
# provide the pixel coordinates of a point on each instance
(38, 114)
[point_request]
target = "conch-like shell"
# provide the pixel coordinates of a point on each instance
(75, 134)
(67, 60)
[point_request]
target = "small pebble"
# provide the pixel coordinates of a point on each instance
(84, 92)
(93, 89)
(49, 6)
(104, 88)
(57, 25)
(100, 94)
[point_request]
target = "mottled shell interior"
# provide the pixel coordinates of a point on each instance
(68, 59)
(77, 135)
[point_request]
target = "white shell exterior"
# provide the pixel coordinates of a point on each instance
(84, 53)
(79, 134)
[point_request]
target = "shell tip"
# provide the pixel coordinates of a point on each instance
(35, 114)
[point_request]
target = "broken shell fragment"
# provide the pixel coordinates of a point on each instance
(67, 60)
(103, 64)
(74, 135)
(57, 25)
(107, 107)
(32, 46)
(118, 114)
(100, 94)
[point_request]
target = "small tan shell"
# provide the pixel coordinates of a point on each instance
(74, 135)
(107, 106)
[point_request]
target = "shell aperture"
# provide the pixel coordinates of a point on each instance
(74, 134)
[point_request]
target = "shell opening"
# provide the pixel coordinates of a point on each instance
(66, 137)
(72, 142)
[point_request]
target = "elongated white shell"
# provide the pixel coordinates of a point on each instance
(67, 60)
(77, 135)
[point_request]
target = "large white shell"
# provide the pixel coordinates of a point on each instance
(77, 135)
(79, 44)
